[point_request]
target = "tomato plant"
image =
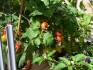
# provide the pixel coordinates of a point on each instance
(55, 31)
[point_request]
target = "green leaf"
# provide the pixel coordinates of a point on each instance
(51, 53)
(60, 66)
(48, 39)
(36, 12)
(25, 46)
(22, 60)
(38, 60)
(55, 1)
(3, 46)
(91, 62)
(70, 68)
(73, 58)
(37, 41)
(25, 34)
(79, 57)
(49, 58)
(4, 50)
(14, 17)
(85, 20)
(90, 67)
(46, 2)
(52, 66)
(64, 60)
(35, 24)
(32, 33)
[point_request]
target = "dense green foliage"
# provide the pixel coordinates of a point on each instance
(39, 45)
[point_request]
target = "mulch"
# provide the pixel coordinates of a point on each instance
(43, 66)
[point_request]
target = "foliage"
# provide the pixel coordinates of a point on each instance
(39, 44)
(75, 62)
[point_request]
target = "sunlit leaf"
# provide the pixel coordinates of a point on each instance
(64, 60)
(37, 41)
(79, 57)
(22, 60)
(60, 66)
(48, 38)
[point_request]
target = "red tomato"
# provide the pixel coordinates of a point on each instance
(17, 45)
(44, 26)
(58, 38)
(58, 34)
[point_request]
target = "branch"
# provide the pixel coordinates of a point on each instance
(26, 19)
(20, 14)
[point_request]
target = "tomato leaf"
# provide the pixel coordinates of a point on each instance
(37, 41)
(48, 39)
(79, 57)
(60, 66)
(64, 60)
(22, 60)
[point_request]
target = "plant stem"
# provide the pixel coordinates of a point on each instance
(20, 14)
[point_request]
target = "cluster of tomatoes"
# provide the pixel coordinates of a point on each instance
(44, 27)
(4, 39)
(58, 34)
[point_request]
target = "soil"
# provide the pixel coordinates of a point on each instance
(43, 66)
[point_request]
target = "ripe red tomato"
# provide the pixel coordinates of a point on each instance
(58, 38)
(44, 26)
(17, 45)
(58, 34)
